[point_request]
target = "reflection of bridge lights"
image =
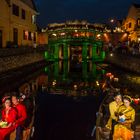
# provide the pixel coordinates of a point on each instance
(111, 54)
(54, 83)
(98, 35)
(62, 34)
(97, 83)
(108, 74)
(116, 79)
(54, 34)
(75, 87)
(112, 76)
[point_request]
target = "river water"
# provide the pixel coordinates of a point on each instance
(68, 96)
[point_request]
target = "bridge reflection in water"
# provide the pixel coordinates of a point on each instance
(68, 101)
(70, 97)
(67, 75)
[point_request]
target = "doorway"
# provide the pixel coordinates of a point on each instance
(15, 36)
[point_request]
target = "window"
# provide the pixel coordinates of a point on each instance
(25, 35)
(138, 22)
(23, 15)
(33, 19)
(15, 10)
(15, 36)
(29, 37)
(34, 37)
(127, 25)
(130, 25)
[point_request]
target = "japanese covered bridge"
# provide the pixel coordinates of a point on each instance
(75, 41)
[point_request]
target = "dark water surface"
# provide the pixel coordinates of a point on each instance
(68, 96)
(65, 118)
(69, 114)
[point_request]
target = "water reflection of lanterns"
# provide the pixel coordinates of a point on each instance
(111, 77)
(111, 54)
(116, 79)
(54, 34)
(75, 87)
(108, 74)
(98, 36)
(62, 34)
(97, 83)
(54, 83)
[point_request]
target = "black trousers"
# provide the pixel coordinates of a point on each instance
(112, 130)
(19, 131)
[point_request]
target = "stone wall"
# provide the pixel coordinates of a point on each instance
(128, 62)
(12, 59)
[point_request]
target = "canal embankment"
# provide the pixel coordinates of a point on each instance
(128, 62)
(13, 58)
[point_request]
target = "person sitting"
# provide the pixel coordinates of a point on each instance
(126, 116)
(9, 115)
(113, 108)
(22, 115)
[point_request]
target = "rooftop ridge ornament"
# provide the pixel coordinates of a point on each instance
(75, 25)
(83, 22)
(55, 24)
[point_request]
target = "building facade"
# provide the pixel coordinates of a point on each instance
(75, 40)
(43, 38)
(17, 23)
(132, 23)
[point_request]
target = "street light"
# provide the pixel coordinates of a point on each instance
(112, 23)
(112, 20)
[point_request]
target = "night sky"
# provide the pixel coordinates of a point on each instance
(51, 11)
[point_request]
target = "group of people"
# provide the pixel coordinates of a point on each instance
(13, 116)
(122, 117)
(123, 47)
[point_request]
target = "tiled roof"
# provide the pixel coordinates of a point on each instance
(30, 3)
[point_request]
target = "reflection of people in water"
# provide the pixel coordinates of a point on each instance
(126, 116)
(9, 116)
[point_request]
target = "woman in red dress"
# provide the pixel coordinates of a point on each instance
(9, 115)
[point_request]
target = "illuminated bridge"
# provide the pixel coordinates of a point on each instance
(75, 41)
